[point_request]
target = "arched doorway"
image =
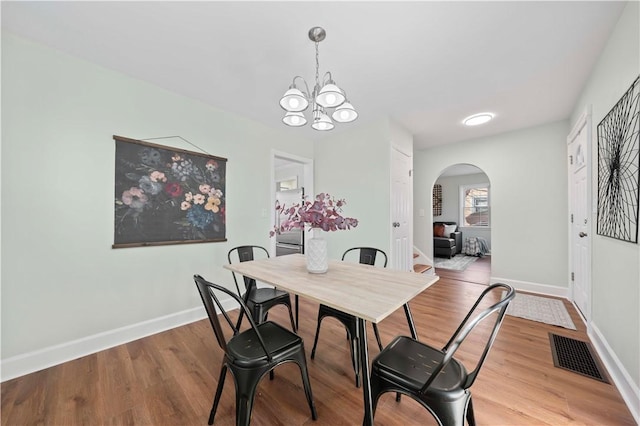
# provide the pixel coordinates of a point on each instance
(462, 203)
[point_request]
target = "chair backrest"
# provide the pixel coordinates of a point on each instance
(244, 254)
(505, 294)
(367, 255)
(210, 299)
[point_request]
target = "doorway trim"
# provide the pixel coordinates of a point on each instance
(475, 169)
(583, 123)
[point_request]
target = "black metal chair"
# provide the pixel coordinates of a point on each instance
(433, 377)
(367, 256)
(252, 353)
(258, 300)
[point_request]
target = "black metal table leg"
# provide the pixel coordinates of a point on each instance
(297, 320)
(366, 379)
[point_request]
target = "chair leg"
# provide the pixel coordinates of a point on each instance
(259, 314)
(246, 385)
(293, 322)
(355, 354)
(239, 323)
(302, 364)
(450, 412)
(243, 411)
(315, 341)
(375, 331)
(470, 417)
(216, 399)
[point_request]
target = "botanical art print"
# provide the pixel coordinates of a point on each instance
(618, 168)
(166, 195)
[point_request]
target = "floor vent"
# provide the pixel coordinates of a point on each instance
(577, 356)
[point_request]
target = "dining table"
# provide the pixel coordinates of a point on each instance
(369, 293)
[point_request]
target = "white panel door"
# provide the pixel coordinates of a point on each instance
(401, 211)
(580, 221)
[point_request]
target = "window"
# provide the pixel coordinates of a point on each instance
(475, 205)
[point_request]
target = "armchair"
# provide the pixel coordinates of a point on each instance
(447, 239)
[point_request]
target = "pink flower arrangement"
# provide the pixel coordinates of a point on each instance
(323, 213)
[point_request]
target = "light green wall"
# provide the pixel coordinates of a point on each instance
(60, 278)
(615, 269)
(355, 165)
(527, 171)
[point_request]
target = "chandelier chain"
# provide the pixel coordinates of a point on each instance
(317, 67)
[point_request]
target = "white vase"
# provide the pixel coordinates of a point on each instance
(316, 254)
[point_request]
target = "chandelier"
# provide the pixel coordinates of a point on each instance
(325, 99)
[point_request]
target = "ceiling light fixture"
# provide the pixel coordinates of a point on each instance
(325, 96)
(475, 119)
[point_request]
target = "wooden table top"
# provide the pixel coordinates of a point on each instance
(366, 291)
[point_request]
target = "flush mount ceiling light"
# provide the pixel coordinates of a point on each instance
(323, 97)
(475, 119)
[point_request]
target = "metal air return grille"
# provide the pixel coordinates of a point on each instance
(577, 356)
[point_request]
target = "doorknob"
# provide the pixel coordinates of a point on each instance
(396, 224)
(582, 234)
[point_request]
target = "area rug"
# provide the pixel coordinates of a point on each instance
(456, 263)
(540, 309)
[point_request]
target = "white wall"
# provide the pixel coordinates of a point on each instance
(615, 264)
(529, 247)
(63, 287)
(355, 165)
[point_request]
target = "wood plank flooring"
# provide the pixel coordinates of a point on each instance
(170, 378)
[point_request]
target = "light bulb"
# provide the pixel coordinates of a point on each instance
(295, 120)
(344, 114)
(331, 98)
(293, 103)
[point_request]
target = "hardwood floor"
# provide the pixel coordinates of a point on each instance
(170, 378)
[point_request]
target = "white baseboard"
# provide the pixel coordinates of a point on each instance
(40, 359)
(546, 289)
(621, 378)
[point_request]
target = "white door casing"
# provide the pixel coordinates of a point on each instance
(580, 215)
(401, 211)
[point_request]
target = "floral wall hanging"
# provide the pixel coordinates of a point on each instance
(618, 168)
(166, 195)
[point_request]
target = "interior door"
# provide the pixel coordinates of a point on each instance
(401, 211)
(580, 226)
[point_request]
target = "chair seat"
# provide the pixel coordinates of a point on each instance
(267, 295)
(444, 242)
(392, 363)
(245, 349)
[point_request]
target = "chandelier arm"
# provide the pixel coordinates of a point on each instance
(324, 78)
(307, 93)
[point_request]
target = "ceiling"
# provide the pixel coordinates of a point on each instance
(425, 64)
